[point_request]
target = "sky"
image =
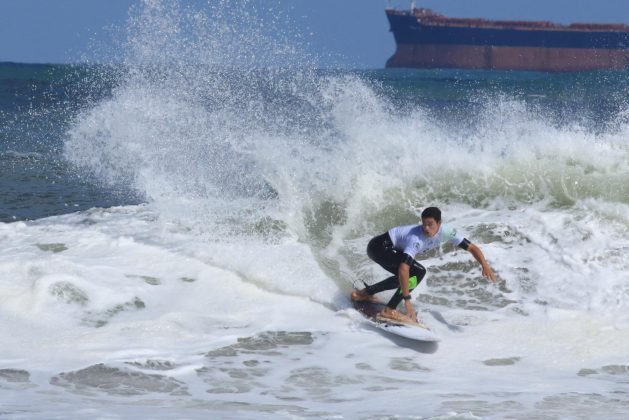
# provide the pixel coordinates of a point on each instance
(355, 32)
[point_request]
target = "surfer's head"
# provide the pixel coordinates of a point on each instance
(431, 220)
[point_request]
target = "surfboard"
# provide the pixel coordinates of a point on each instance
(370, 311)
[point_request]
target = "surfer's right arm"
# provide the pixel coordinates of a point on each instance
(478, 256)
(403, 274)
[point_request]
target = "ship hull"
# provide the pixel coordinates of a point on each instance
(430, 46)
(507, 58)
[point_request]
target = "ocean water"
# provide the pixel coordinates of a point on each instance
(181, 228)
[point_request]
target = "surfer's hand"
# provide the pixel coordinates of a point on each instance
(410, 311)
(488, 273)
(478, 255)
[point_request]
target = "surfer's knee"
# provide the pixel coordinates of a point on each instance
(418, 271)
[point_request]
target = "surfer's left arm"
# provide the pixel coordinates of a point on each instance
(478, 255)
(403, 274)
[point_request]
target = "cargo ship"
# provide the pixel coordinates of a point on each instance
(426, 39)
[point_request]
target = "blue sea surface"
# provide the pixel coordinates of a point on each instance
(37, 104)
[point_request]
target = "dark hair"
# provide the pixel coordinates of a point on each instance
(433, 212)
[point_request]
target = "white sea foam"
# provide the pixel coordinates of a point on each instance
(122, 288)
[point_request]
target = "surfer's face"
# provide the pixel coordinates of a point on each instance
(430, 226)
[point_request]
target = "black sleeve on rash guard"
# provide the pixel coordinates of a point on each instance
(465, 244)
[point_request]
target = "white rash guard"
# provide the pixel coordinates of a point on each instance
(412, 240)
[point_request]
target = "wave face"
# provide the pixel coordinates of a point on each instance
(263, 178)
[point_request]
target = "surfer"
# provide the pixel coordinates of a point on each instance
(395, 251)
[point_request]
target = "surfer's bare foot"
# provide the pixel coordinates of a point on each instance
(362, 296)
(395, 315)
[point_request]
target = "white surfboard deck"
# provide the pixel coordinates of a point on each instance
(417, 332)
